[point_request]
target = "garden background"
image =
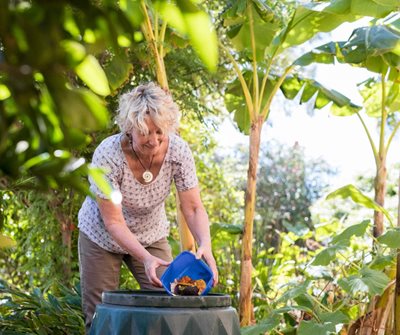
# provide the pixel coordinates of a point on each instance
(297, 255)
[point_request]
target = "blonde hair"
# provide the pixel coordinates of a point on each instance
(147, 100)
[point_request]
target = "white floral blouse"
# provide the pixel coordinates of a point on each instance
(142, 205)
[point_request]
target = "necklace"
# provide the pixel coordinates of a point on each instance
(147, 175)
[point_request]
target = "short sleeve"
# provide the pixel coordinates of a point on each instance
(185, 173)
(107, 156)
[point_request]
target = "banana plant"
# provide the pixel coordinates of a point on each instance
(258, 38)
(377, 49)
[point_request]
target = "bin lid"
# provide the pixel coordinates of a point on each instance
(143, 298)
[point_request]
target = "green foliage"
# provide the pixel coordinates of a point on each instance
(309, 90)
(6, 242)
(321, 291)
(374, 48)
(391, 238)
(315, 17)
(47, 113)
(262, 327)
(240, 23)
(340, 242)
(370, 91)
(36, 222)
(38, 312)
(257, 58)
(350, 191)
(368, 280)
(313, 327)
(188, 19)
(50, 100)
(319, 304)
(58, 63)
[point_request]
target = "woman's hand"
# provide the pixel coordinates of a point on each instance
(151, 263)
(206, 254)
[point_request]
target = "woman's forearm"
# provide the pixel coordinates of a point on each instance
(116, 226)
(196, 216)
(199, 226)
(127, 240)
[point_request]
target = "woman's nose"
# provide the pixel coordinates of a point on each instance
(153, 139)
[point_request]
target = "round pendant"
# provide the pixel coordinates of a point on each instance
(147, 176)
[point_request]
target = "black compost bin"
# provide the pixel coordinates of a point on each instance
(157, 313)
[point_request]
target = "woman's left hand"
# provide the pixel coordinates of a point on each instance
(206, 254)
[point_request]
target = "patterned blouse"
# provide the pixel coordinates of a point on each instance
(142, 205)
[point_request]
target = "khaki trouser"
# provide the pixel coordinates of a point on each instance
(100, 271)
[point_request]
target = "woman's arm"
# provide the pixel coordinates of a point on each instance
(197, 220)
(115, 224)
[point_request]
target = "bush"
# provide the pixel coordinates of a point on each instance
(39, 312)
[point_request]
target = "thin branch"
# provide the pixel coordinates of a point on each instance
(245, 88)
(384, 117)
(322, 306)
(264, 81)
(265, 111)
(155, 26)
(396, 128)
(371, 142)
(254, 52)
(148, 32)
(161, 50)
(162, 38)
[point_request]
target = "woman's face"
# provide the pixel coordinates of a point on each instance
(150, 144)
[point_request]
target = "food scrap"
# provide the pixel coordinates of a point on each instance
(188, 286)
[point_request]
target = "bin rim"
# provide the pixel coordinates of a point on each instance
(149, 298)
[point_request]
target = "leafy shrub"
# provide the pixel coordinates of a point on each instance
(39, 312)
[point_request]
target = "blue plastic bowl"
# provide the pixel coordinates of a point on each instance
(186, 264)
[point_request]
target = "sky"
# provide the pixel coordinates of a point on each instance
(341, 141)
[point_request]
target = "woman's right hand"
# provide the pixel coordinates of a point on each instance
(151, 263)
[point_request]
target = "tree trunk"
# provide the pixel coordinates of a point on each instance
(397, 289)
(380, 191)
(245, 304)
(67, 226)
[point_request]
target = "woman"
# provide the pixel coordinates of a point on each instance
(140, 162)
